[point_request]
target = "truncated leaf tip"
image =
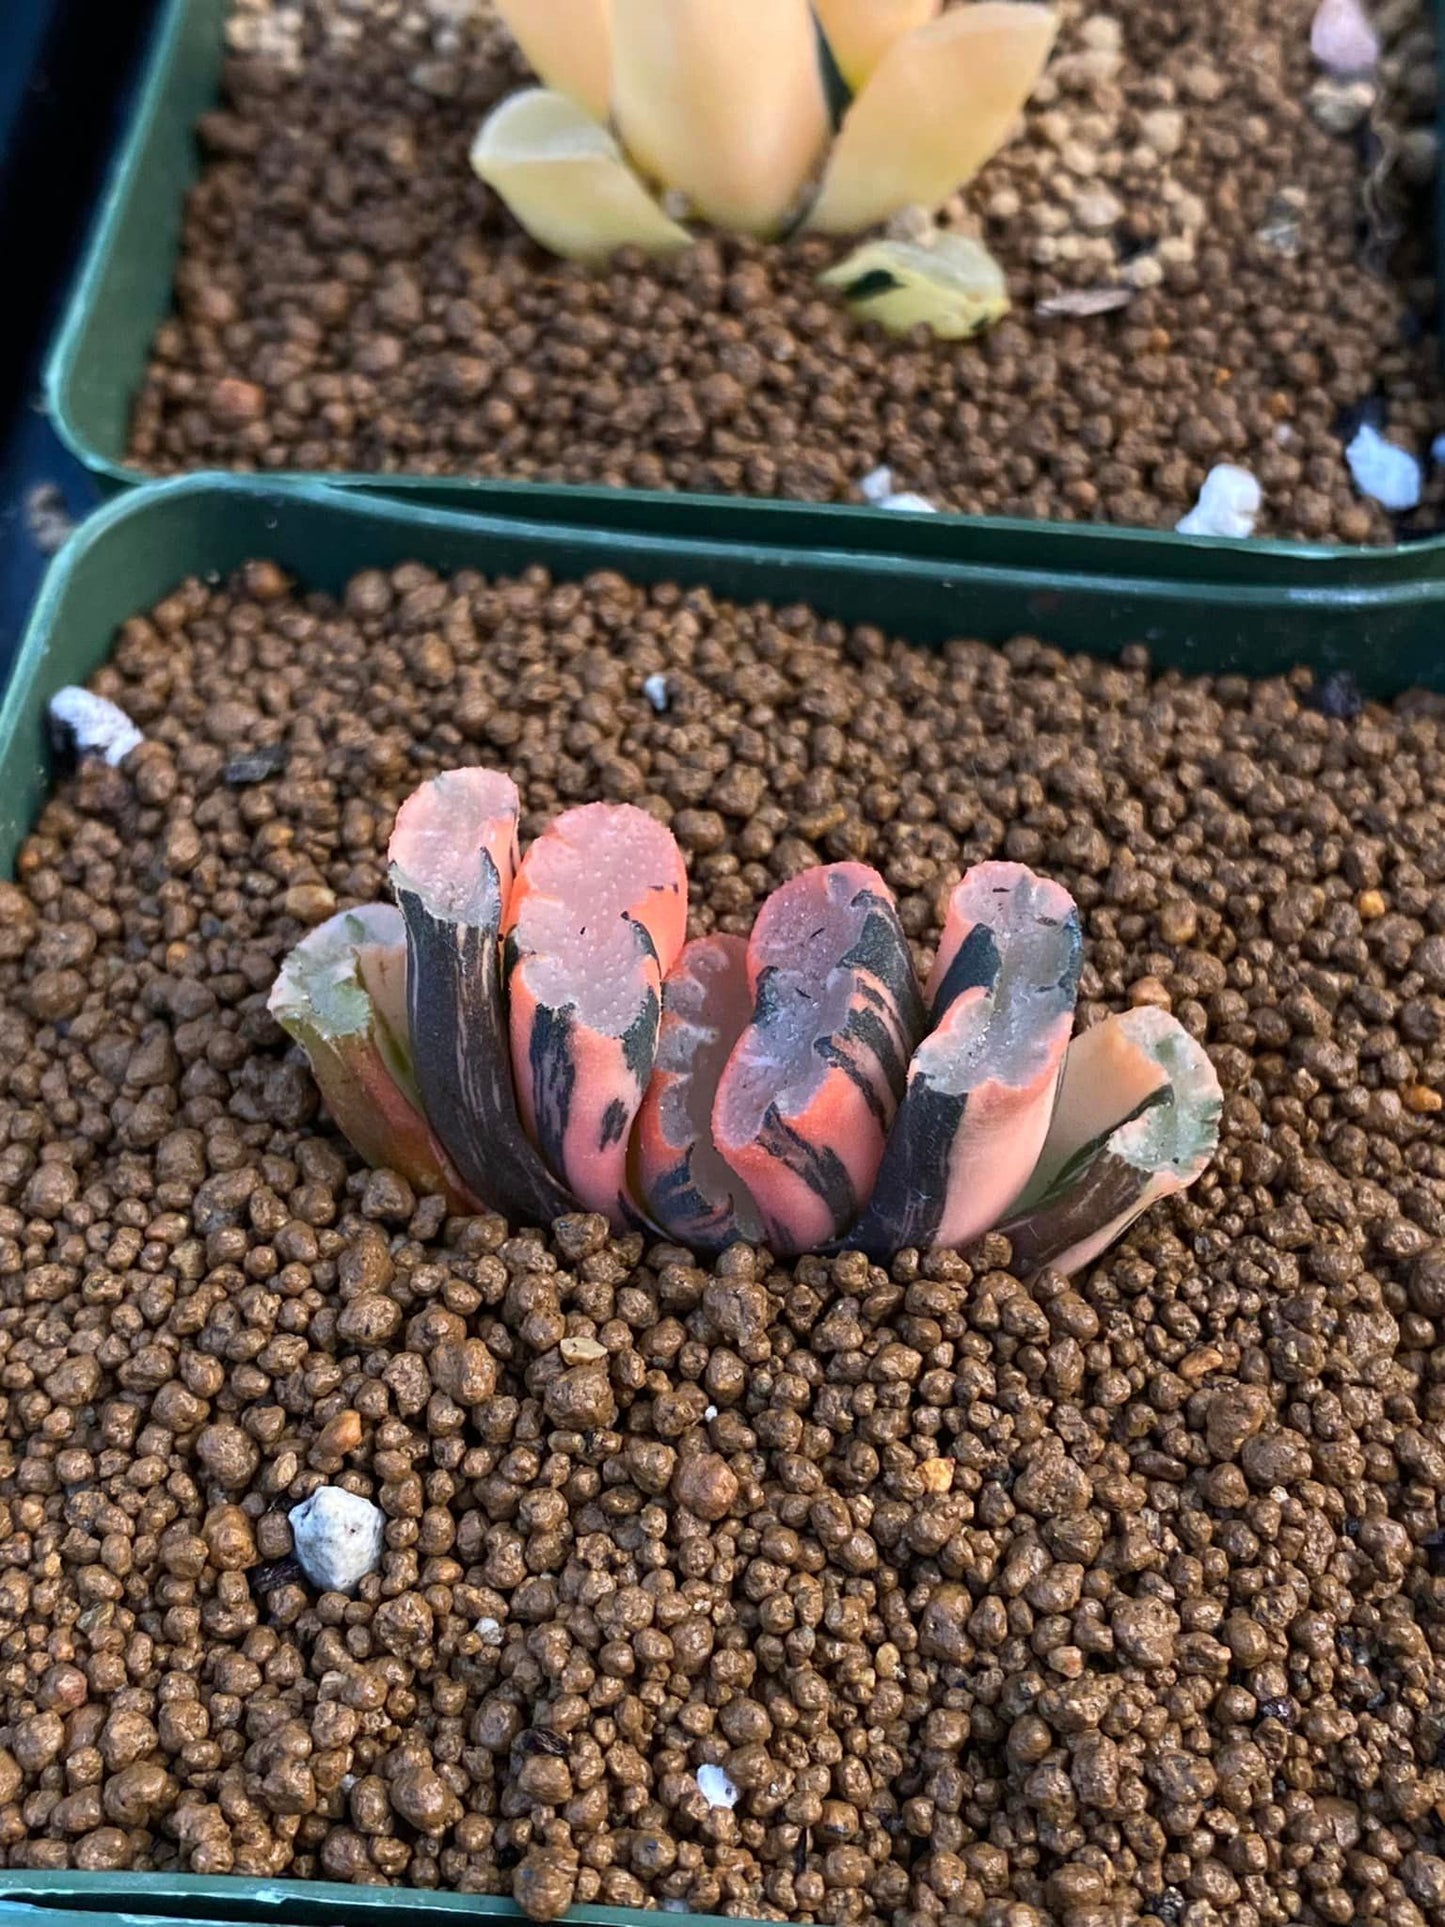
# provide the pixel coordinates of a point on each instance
(982, 1084)
(341, 994)
(1137, 1120)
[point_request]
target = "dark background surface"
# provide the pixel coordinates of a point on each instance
(67, 72)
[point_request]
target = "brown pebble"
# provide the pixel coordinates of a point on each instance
(706, 1485)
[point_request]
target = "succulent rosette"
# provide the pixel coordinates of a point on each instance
(532, 1034)
(765, 117)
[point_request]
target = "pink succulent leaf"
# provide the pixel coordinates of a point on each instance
(1137, 1120)
(453, 857)
(566, 180)
(982, 1084)
(689, 1189)
(341, 994)
(596, 919)
(805, 1103)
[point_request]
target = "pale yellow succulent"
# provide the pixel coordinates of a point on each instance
(755, 115)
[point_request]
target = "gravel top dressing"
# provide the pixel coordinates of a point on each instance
(350, 297)
(820, 1590)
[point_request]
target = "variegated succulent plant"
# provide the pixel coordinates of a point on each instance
(534, 1035)
(762, 116)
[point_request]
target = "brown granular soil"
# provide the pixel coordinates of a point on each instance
(350, 297)
(1001, 1603)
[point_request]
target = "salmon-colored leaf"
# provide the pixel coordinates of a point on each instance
(982, 1084)
(687, 1186)
(860, 32)
(568, 45)
(341, 994)
(596, 920)
(941, 101)
(810, 1091)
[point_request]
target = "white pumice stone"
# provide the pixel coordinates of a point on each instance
(1387, 473)
(338, 1537)
(1229, 504)
(910, 504)
(94, 725)
(656, 691)
(715, 1787)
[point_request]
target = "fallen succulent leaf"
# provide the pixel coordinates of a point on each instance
(954, 287)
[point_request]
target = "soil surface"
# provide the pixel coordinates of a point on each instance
(351, 297)
(1072, 1602)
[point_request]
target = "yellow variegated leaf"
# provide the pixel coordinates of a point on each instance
(954, 288)
(722, 100)
(940, 102)
(568, 44)
(860, 32)
(565, 180)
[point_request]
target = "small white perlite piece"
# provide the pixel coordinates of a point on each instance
(1229, 503)
(338, 1537)
(93, 725)
(877, 489)
(715, 1787)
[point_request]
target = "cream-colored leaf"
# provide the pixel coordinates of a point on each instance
(954, 288)
(564, 178)
(1137, 1120)
(568, 44)
(860, 32)
(722, 100)
(941, 101)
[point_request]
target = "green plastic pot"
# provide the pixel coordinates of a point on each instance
(138, 547)
(153, 1899)
(124, 291)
